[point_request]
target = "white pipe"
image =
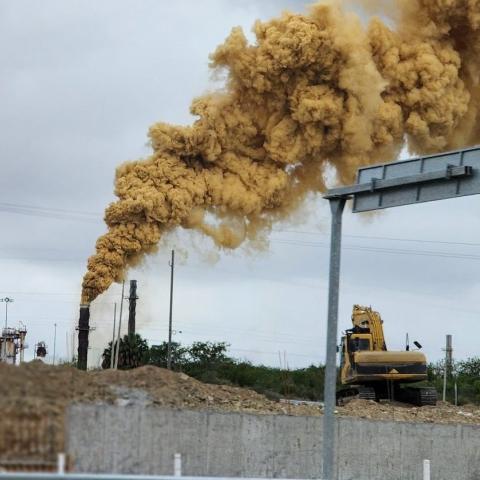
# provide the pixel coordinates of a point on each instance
(426, 470)
(177, 465)
(115, 366)
(61, 464)
(112, 350)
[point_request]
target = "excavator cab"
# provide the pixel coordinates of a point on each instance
(359, 342)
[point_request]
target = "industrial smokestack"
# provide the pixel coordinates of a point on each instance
(132, 306)
(83, 331)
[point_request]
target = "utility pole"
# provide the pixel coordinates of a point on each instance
(132, 306)
(6, 300)
(119, 327)
(112, 350)
(169, 351)
(449, 354)
(67, 346)
(448, 365)
(73, 346)
(54, 341)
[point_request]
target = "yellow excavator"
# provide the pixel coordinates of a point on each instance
(370, 371)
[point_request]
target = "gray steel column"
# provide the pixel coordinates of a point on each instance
(329, 473)
(169, 350)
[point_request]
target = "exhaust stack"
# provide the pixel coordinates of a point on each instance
(132, 307)
(83, 331)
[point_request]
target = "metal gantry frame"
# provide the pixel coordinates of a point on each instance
(435, 177)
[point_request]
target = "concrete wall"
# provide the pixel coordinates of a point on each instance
(143, 440)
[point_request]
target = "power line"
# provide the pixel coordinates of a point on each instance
(377, 237)
(313, 355)
(37, 259)
(56, 213)
(240, 331)
(395, 239)
(67, 214)
(259, 277)
(260, 337)
(50, 209)
(396, 251)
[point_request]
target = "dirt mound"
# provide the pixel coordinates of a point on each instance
(399, 412)
(178, 390)
(34, 397)
(35, 381)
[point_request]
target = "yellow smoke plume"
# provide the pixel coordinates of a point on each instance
(314, 92)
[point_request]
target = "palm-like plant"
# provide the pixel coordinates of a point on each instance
(133, 353)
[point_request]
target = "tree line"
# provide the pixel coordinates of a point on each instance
(209, 362)
(464, 374)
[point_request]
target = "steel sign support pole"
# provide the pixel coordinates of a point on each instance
(337, 205)
(406, 182)
(169, 350)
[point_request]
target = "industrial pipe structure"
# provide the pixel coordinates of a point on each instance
(83, 331)
(132, 307)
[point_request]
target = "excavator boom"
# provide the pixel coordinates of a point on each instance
(367, 319)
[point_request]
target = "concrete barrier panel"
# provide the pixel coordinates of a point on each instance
(143, 440)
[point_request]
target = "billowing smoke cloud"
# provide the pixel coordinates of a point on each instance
(314, 92)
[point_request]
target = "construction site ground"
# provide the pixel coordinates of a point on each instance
(34, 398)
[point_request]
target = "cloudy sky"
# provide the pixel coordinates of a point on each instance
(80, 83)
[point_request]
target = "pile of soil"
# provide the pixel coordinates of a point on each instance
(400, 412)
(177, 390)
(34, 397)
(33, 400)
(35, 383)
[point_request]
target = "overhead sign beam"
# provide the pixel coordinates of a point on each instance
(418, 180)
(380, 185)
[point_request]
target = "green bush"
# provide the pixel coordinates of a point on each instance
(134, 352)
(465, 373)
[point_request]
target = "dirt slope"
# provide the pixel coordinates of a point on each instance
(33, 398)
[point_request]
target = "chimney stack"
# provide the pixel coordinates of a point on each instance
(83, 331)
(132, 306)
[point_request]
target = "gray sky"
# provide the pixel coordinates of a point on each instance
(80, 83)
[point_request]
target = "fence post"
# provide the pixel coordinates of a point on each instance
(61, 464)
(426, 470)
(177, 465)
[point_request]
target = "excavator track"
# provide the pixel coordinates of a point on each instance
(420, 396)
(427, 396)
(366, 393)
(346, 394)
